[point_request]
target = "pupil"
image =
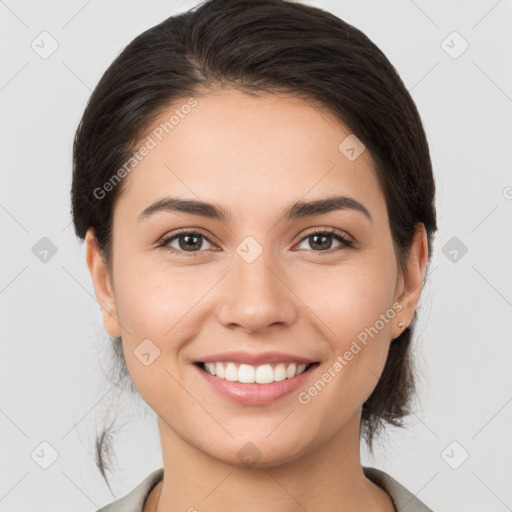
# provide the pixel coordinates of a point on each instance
(324, 245)
(187, 245)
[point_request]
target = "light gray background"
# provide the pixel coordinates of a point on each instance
(53, 342)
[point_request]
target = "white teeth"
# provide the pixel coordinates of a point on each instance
(264, 374)
(231, 372)
(248, 374)
(219, 370)
(290, 371)
(279, 372)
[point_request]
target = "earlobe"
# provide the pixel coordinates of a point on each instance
(412, 280)
(103, 288)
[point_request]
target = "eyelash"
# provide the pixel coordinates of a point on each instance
(337, 234)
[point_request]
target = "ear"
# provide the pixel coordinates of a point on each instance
(103, 287)
(410, 281)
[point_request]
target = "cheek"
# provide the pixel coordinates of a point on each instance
(353, 296)
(151, 298)
(154, 311)
(356, 304)
(359, 313)
(159, 310)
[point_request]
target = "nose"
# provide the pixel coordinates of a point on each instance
(256, 296)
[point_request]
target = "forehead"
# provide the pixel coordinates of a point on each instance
(247, 152)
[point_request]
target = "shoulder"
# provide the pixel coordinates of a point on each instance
(403, 499)
(134, 501)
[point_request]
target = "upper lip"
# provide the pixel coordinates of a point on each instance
(255, 359)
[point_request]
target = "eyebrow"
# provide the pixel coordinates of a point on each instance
(297, 210)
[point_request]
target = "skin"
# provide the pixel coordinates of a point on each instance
(255, 156)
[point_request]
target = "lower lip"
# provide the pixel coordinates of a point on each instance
(255, 394)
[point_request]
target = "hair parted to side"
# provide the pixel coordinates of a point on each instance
(267, 46)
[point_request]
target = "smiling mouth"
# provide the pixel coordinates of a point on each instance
(251, 374)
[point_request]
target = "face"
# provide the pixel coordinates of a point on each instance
(187, 287)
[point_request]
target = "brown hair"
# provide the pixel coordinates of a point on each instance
(275, 46)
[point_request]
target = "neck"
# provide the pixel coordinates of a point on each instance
(330, 477)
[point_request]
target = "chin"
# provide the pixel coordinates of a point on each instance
(257, 453)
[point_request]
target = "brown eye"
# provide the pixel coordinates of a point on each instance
(321, 241)
(189, 242)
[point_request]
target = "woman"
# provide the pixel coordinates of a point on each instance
(254, 187)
